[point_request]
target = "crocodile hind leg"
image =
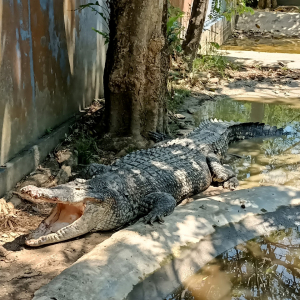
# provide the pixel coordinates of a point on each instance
(221, 174)
(158, 205)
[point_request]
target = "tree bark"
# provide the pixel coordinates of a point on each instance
(136, 69)
(262, 4)
(274, 3)
(192, 39)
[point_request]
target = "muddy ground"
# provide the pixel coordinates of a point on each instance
(24, 269)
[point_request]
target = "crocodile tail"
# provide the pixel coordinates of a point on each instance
(220, 133)
(241, 131)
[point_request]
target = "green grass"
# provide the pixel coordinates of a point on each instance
(86, 147)
(216, 63)
(213, 61)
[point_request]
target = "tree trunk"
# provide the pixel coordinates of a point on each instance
(136, 69)
(274, 3)
(262, 4)
(192, 39)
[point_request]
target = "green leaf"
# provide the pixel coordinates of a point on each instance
(215, 45)
(172, 20)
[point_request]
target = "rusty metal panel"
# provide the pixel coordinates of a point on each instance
(51, 67)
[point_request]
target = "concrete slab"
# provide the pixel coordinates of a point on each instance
(113, 268)
(264, 59)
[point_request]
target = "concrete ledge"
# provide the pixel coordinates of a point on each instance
(113, 268)
(164, 281)
(28, 160)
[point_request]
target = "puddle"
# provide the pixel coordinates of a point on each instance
(265, 161)
(274, 45)
(265, 268)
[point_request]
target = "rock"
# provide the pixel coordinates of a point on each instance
(211, 87)
(191, 110)
(4, 235)
(63, 175)
(37, 179)
(183, 132)
(182, 125)
(15, 201)
(179, 116)
(214, 80)
(121, 153)
(203, 79)
(51, 164)
(203, 98)
(67, 158)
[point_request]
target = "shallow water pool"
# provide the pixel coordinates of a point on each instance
(264, 268)
(265, 161)
(261, 44)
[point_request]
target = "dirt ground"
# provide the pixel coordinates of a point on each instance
(25, 269)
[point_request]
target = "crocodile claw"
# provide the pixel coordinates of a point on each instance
(151, 218)
(231, 184)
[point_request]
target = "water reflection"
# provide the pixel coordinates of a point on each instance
(265, 268)
(265, 161)
(268, 44)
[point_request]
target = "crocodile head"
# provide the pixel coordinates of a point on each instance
(79, 209)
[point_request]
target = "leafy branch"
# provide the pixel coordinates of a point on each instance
(238, 7)
(104, 16)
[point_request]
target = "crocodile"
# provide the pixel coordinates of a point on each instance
(144, 185)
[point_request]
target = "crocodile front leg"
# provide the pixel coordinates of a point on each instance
(220, 174)
(158, 205)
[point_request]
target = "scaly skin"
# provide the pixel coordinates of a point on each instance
(147, 183)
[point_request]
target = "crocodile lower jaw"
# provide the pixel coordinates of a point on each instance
(61, 216)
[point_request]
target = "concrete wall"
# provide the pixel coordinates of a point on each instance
(51, 66)
(217, 32)
(286, 23)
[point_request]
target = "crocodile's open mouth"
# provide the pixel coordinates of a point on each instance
(62, 215)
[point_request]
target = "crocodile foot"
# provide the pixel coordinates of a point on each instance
(231, 183)
(160, 205)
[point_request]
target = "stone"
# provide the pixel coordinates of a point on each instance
(179, 116)
(203, 79)
(121, 153)
(63, 175)
(183, 132)
(182, 125)
(15, 201)
(211, 87)
(51, 164)
(67, 158)
(37, 179)
(191, 110)
(214, 80)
